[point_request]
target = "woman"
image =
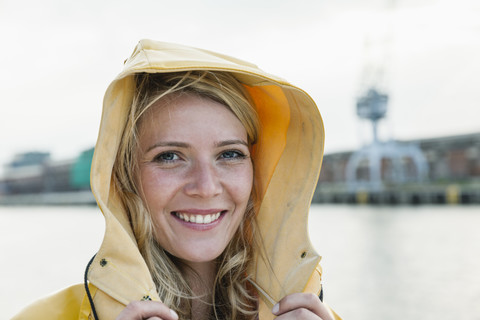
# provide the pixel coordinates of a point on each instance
(204, 170)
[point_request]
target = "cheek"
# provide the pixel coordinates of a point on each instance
(243, 186)
(155, 187)
(155, 195)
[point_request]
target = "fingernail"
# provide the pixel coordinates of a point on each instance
(174, 314)
(275, 309)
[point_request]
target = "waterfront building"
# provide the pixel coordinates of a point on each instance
(453, 175)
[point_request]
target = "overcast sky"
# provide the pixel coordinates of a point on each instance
(58, 57)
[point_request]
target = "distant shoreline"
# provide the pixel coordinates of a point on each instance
(84, 197)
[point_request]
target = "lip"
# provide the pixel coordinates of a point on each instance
(203, 212)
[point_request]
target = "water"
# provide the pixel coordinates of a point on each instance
(379, 262)
(43, 250)
(400, 262)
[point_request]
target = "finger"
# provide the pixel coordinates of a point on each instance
(308, 301)
(297, 314)
(139, 310)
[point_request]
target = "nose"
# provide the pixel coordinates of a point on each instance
(204, 181)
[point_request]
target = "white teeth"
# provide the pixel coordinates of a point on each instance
(198, 218)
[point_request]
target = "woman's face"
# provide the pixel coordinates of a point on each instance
(195, 175)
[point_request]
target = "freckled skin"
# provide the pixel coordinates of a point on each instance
(193, 157)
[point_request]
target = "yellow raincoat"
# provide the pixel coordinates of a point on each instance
(287, 160)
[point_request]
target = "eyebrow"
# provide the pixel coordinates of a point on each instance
(169, 144)
(230, 142)
(187, 146)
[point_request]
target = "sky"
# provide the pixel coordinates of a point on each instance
(58, 57)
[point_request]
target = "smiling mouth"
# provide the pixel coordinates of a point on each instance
(198, 218)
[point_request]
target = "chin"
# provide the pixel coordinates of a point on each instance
(200, 256)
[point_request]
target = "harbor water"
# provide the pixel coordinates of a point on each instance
(379, 262)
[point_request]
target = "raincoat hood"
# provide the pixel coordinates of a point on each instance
(287, 160)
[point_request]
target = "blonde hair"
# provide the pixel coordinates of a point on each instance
(232, 298)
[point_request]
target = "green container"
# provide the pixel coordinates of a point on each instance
(80, 172)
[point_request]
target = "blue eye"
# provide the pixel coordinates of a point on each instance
(232, 154)
(166, 157)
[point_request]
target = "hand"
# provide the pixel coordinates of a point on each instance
(147, 310)
(301, 306)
